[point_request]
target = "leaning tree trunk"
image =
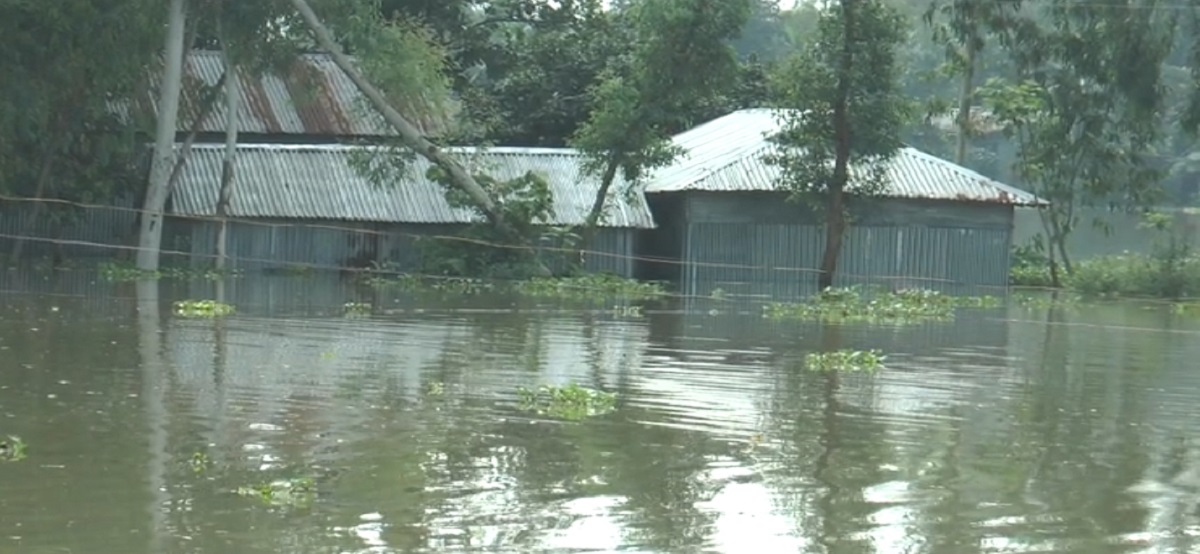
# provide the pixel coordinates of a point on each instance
(232, 95)
(592, 223)
(409, 134)
(150, 234)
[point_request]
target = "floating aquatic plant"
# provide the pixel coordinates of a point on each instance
(115, 272)
(293, 491)
(357, 309)
(12, 449)
(844, 360)
(571, 402)
(202, 308)
(859, 305)
(595, 288)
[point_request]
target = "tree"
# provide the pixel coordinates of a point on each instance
(150, 235)
(454, 172)
(964, 33)
(63, 63)
(681, 62)
(1085, 113)
(840, 108)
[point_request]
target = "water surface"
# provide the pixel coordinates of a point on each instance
(1009, 430)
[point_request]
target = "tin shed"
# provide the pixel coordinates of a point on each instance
(722, 223)
(308, 205)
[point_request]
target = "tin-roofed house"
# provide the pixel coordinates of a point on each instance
(307, 205)
(310, 100)
(722, 223)
(297, 201)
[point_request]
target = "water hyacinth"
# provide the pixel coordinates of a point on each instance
(857, 305)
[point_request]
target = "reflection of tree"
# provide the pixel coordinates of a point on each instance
(153, 394)
(834, 453)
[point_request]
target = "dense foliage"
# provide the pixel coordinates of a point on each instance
(1085, 102)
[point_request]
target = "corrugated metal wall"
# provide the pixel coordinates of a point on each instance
(331, 245)
(85, 232)
(782, 260)
(254, 247)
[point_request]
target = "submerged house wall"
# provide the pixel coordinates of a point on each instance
(309, 205)
(757, 243)
(724, 224)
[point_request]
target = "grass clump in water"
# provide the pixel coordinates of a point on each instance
(12, 449)
(845, 360)
(454, 286)
(571, 402)
(595, 287)
(591, 287)
(357, 309)
(856, 305)
(116, 272)
(288, 492)
(202, 308)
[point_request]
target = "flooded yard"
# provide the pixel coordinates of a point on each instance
(288, 426)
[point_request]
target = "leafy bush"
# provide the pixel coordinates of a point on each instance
(1155, 275)
(1171, 270)
(1029, 266)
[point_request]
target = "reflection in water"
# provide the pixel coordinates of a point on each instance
(1011, 430)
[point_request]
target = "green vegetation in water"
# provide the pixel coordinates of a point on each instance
(357, 309)
(1042, 301)
(634, 312)
(115, 272)
(571, 402)
(860, 304)
(1171, 269)
(202, 308)
(845, 360)
(199, 462)
(595, 288)
(1137, 276)
(12, 449)
(1186, 308)
(291, 492)
(435, 388)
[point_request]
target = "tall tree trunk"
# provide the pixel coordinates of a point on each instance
(591, 224)
(965, 98)
(232, 95)
(408, 132)
(835, 226)
(150, 234)
(185, 150)
(43, 181)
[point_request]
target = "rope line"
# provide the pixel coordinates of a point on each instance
(910, 280)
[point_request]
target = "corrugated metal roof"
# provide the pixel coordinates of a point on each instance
(313, 97)
(726, 155)
(318, 182)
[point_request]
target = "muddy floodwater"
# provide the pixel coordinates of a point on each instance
(1024, 428)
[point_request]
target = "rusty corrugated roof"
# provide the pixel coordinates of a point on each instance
(312, 97)
(726, 155)
(319, 182)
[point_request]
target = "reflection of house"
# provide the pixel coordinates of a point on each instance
(723, 224)
(307, 204)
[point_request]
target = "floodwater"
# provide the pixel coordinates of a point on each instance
(1018, 429)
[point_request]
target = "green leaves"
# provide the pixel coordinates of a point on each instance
(810, 85)
(680, 60)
